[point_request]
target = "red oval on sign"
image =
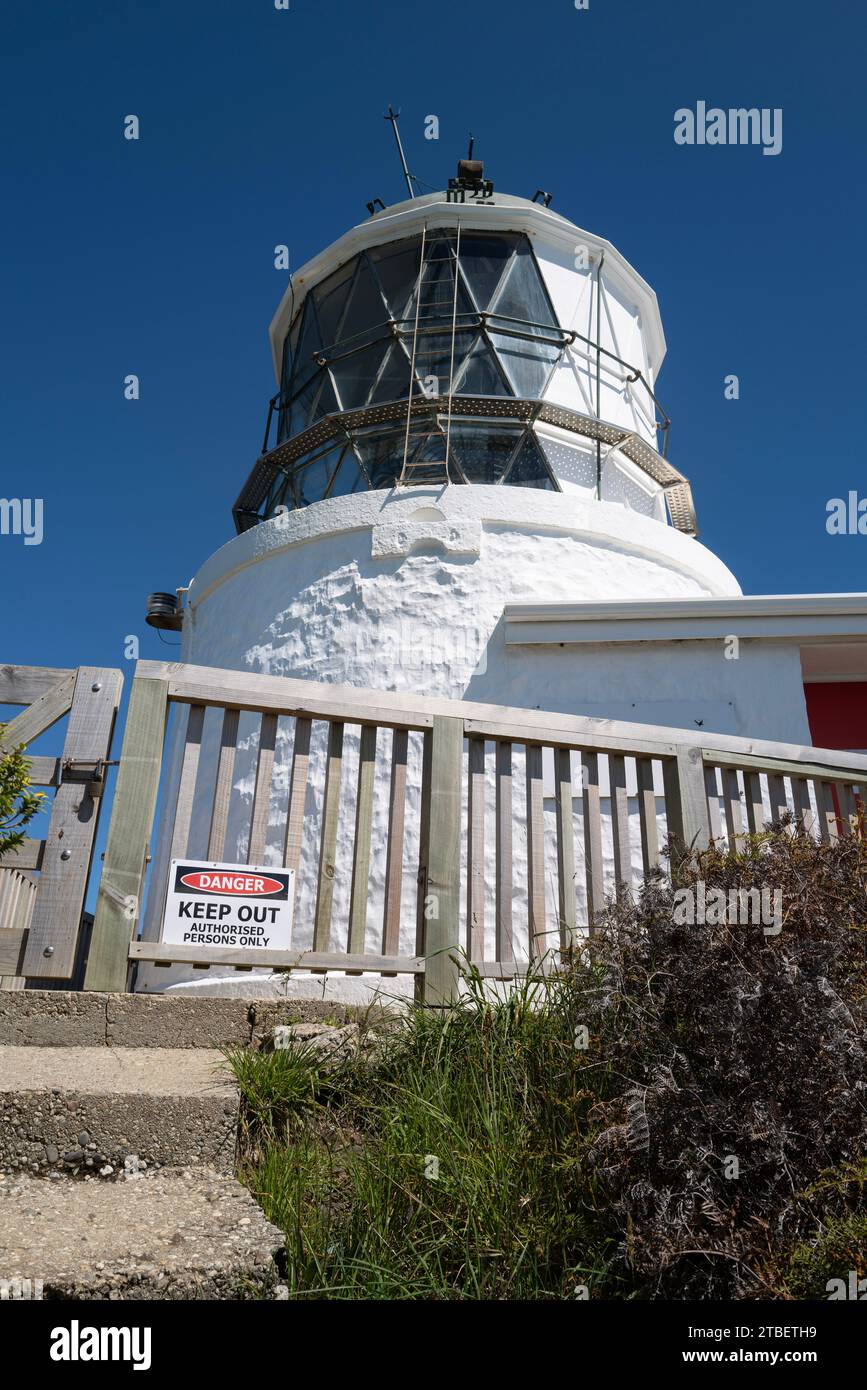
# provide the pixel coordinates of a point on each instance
(232, 883)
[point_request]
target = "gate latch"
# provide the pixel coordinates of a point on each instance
(89, 771)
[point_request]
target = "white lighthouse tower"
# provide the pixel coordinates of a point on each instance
(464, 491)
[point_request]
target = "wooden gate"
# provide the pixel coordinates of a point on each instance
(43, 884)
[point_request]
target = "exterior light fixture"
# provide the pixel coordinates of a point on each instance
(164, 611)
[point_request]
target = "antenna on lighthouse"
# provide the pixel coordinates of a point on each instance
(392, 116)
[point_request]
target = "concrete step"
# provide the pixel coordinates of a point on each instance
(166, 1235)
(80, 1109)
(65, 1018)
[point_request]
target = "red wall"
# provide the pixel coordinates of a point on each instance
(837, 711)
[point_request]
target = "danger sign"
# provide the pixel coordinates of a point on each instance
(234, 905)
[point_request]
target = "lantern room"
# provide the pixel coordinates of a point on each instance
(484, 343)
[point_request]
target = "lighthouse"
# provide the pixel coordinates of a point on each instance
(466, 489)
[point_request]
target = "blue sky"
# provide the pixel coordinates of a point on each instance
(260, 127)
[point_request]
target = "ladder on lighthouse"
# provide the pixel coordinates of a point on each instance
(435, 297)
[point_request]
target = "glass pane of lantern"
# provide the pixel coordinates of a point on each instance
(437, 305)
(355, 374)
(301, 407)
(316, 399)
(304, 359)
(312, 479)
(330, 298)
(527, 362)
(381, 452)
(349, 477)
(281, 495)
(433, 360)
(284, 422)
(430, 449)
(482, 375)
(483, 259)
(393, 384)
(366, 314)
(397, 267)
(326, 403)
(529, 469)
(286, 369)
(437, 281)
(524, 296)
(382, 456)
(483, 451)
(290, 351)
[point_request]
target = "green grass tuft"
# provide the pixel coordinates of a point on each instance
(576, 1136)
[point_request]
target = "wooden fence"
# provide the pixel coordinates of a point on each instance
(687, 786)
(43, 883)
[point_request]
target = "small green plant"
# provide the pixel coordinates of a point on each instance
(839, 1249)
(18, 804)
(277, 1088)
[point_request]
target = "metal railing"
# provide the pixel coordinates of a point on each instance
(338, 427)
(503, 325)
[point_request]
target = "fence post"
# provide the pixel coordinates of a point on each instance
(55, 924)
(442, 905)
(686, 808)
(118, 907)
